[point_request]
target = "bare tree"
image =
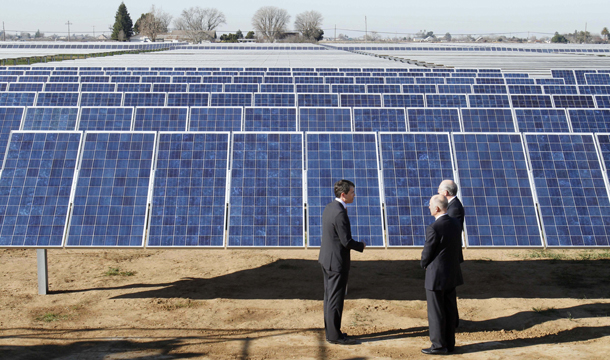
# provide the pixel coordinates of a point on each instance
(309, 24)
(270, 22)
(199, 24)
(154, 23)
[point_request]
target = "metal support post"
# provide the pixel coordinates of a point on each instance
(43, 276)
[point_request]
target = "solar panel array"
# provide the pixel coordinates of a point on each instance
(246, 157)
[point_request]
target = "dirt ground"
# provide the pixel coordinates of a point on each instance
(267, 304)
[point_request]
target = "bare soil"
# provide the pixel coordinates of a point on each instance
(267, 304)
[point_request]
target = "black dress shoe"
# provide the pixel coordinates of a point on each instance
(431, 351)
(343, 341)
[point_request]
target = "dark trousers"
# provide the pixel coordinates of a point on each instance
(442, 317)
(334, 295)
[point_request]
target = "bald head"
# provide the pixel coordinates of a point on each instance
(448, 188)
(438, 205)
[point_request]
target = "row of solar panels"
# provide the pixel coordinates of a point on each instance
(109, 75)
(113, 189)
(477, 48)
(309, 88)
(303, 119)
(300, 99)
(146, 46)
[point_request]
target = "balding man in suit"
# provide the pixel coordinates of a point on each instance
(441, 260)
(334, 257)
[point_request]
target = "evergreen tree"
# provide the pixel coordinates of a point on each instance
(122, 22)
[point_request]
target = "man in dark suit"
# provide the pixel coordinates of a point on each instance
(449, 189)
(441, 260)
(335, 259)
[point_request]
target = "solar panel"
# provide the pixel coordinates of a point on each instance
(454, 89)
(270, 119)
(403, 100)
(446, 100)
(308, 80)
(419, 89)
(187, 99)
(531, 101)
(550, 81)
(353, 156)
(278, 80)
(399, 80)
(590, 120)
(101, 99)
(231, 99)
(156, 79)
(521, 81)
(489, 89)
(435, 120)
(369, 80)
(348, 88)
(573, 101)
(560, 89)
(360, 100)
(594, 90)
(216, 119)
(3, 86)
(566, 75)
(64, 79)
(312, 99)
(133, 88)
(495, 184)
(10, 119)
(571, 190)
(603, 101)
(542, 120)
(169, 87)
(50, 118)
(94, 79)
(205, 87)
(525, 89)
(186, 79)
(413, 166)
(312, 88)
(274, 99)
(338, 80)
(376, 119)
(325, 119)
(489, 101)
(144, 99)
(188, 201)
(8, 79)
(465, 81)
(489, 80)
(240, 88)
(35, 188)
(488, 120)
(160, 119)
(125, 79)
(276, 88)
(57, 99)
(105, 119)
(580, 76)
(383, 89)
(17, 98)
(25, 86)
(247, 79)
(265, 168)
(603, 139)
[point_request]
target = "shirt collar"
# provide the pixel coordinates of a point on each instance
(342, 203)
(437, 217)
(450, 200)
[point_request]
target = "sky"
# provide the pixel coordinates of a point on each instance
(389, 18)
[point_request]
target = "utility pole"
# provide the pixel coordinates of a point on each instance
(94, 32)
(3, 32)
(586, 37)
(69, 23)
(335, 32)
(365, 30)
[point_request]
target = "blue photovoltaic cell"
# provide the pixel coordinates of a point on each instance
(603, 101)
(160, 119)
(266, 201)
(95, 79)
(216, 79)
(489, 89)
(247, 79)
(35, 188)
(413, 167)
(360, 100)
(69, 87)
(454, 89)
(430, 80)
(488, 120)
(489, 101)
(550, 81)
(105, 119)
(566, 75)
(383, 89)
(270, 119)
(111, 197)
(187, 79)
(50, 118)
(446, 100)
(325, 119)
(490, 81)
(17, 98)
(240, 88)
(10, 119)
(323, 100)
(95, 87)
(309, 80)
(133, 88)
(572, 194)
(604, 146)
(274, 99)
(560, 89)
(276, 88)
(144, 99)
(156, 79)
(57, 99)
(313, 88)
(460, 81)
(426, 119)
(216, 119)
(125, 79)
(542, 120)
(25, 86)
(573, 101)
(521, 81)
(188, 203)
(531, 101)
(594, 89)
(403, 100)
(205, 87)
(496, 189)
(335, 156)
(591, 79)
(525, 89)
(375, 119)
(231, 99)
(419, 89)
(369, 80)
(64, 79)
(187, 99)
(338, 80)
(176, 88)
(399, 80)
(101, 99)
(348, 88)
(590, 120)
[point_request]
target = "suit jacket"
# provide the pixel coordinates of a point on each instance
(456, 211)
(441, 254)
(337, 239)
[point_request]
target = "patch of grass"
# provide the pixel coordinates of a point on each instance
(544, 310)
(50, 317)
(602, 254)
(117, 272)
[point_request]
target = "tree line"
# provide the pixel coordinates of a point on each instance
(199, 24)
